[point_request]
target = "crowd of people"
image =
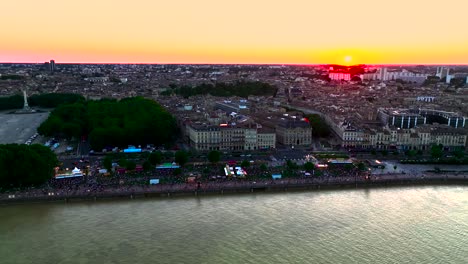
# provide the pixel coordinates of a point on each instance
(203, 178)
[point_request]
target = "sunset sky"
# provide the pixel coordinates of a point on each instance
(238, 31)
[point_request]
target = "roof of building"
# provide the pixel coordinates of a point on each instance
(291, 123)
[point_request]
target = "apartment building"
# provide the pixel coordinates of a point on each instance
(383, 74)
(294, 133)
(229, 137)
(421, 138)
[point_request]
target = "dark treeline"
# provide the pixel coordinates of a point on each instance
(111, 123)
(241, 89)
(48, 100)
(11, 102)
(23, 165)
(353, 70)
(319, 126)
(11, 77)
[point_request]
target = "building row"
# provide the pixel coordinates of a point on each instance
(395, 138)
(383, 74)
(444, 72)
(229, 137)
(410, 118)
(239, 137)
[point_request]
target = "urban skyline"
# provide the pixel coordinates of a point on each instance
(208, 32)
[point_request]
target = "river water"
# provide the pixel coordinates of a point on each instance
(395, 225)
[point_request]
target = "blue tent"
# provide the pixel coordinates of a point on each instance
(276, 176)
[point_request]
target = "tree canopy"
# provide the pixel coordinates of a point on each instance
(242, 89)
(23, 165)
(319, 126)
(130, 121)
(11, 102)
(214, 156)
(49, 100)
(181, 157)
(155, 158)
(436, 151)
(309, 166)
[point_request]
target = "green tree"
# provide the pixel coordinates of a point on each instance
(459, 153)
(155, 158)
(147, 165)
(71, 130)
(107, 163)
(50, 100)
(263, 167)
(309, 166)
(436, 151)
(130, 121)
(214, 156)
(362, 166)
(11, 102)
(181, 157)
(385, 152)
(23, 165)
(291, 165)
(123, 162)
(348, 167)
(411, 153)
(130, 165)
(319, 126)
(245, 164)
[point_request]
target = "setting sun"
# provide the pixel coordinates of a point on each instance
(348, 59)
(210, 31)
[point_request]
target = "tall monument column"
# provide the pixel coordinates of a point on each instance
(26, 109)
(26, 105)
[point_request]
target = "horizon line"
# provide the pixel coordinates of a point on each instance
(211, 63)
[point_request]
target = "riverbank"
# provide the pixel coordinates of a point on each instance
(221, 188)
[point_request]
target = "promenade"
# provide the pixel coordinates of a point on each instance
(225, 187)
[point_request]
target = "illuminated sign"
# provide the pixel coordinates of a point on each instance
(132, 150)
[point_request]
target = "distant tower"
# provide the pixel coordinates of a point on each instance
(442, 72)
(383, 76)
(52, 66)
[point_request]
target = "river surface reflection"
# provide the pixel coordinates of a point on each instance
(394, 225)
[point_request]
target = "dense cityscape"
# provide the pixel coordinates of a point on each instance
(228, 132)
(214, 126)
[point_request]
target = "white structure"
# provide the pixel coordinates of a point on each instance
(383, 74)
(449, 78)
(428, 99)
(97, 79)
(77, 172)
(442, 72)
(26, 105)
(338, 76)
(26, 109)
